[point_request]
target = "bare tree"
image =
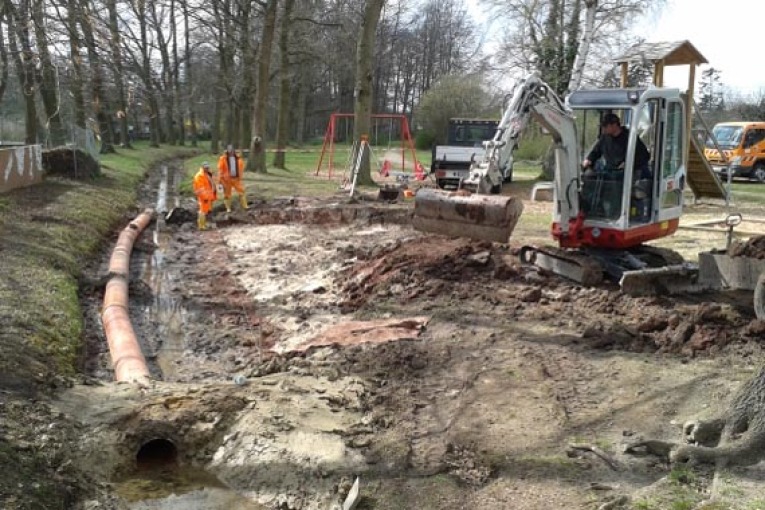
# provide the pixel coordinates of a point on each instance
(556, 37)
(99, 101)
(115, 41)
(363, 90)
(20, 44)
(282, 122)
(3, 56)
(49, 89)
(257, 160)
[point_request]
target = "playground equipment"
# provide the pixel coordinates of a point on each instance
(397, 154)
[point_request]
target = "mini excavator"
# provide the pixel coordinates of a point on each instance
(601, 218)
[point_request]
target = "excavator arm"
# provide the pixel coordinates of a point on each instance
(493, 218)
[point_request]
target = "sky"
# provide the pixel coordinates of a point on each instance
(729, 34)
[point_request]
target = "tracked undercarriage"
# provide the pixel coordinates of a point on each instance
(643, 270)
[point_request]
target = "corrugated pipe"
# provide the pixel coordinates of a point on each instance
(127, 359)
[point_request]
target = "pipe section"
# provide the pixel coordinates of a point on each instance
(127, 359)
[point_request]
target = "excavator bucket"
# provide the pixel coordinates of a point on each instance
(459, 214)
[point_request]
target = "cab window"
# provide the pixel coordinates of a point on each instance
(673, 155)
(753, 136)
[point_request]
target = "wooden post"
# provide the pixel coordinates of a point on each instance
(625, 69)
(658, 73)
(689, 104)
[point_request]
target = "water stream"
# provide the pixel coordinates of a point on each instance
(169, 486)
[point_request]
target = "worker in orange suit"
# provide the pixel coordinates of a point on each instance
(204, 188)
(230, 170)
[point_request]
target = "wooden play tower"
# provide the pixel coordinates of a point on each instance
(702, 180)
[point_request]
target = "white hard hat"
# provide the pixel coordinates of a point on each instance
(205, 165)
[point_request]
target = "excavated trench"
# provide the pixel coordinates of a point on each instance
(258, 286)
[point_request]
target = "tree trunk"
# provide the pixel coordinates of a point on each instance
(100, 104)
(179, 127)
(189, 82)
(300, 108)
(76, 78)
(257, 160)
(48, 87)
(591, 6)
(3, 62)
(119, 73)
(166, 91)
(363, 91)
(282, 121)
(145, 71)
(23, 57)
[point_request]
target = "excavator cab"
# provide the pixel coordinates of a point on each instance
(627, 204)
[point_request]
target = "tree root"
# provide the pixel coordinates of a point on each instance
(614, 503)
(661, 449)
(611, 462)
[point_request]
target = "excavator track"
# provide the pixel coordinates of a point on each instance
(655, 256)
(666, 272)
(642, 271)
(575, 266)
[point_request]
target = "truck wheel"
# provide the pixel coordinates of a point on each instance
(758, 172)
(759, 297)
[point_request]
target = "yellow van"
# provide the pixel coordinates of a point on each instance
(743, 143)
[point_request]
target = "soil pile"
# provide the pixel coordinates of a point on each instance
(754, 247)
(70, 163)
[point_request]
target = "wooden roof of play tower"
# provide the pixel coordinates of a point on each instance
(662, 54)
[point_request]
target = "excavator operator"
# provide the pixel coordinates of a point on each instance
(604, 188)
(612, 146)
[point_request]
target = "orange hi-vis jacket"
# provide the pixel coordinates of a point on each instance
(204, 187)
(225, 172)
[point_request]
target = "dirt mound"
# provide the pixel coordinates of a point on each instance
(638, 326)
(754, 248)
(70, 163)
(179, 216)
(418, 267)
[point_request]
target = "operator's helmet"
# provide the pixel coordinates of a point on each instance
(206, 165)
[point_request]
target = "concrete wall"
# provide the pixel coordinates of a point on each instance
(20, 167)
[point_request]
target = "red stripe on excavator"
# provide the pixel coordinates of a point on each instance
(613, 238)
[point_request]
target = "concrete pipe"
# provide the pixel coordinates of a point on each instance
(128, 361)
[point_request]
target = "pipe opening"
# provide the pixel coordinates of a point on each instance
(157, 453)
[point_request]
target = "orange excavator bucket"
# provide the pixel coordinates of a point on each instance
(461, 214)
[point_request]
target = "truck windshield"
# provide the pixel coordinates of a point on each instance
(471, 135)
(728, 137)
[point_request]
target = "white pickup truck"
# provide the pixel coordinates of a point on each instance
(464, 144)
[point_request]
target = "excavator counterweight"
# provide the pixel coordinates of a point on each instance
(460, 214)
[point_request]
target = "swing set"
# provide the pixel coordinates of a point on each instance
(396, 125)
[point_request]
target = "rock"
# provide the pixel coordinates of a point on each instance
(755, 328)
(652, 324)
(532, 295)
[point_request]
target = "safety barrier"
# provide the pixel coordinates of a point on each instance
(20, 167)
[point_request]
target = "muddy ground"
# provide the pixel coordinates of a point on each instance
(307, 342)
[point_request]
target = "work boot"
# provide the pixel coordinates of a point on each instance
(202, 221)
(227, 203)
(243, 202)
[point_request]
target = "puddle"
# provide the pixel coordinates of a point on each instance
(179, 489)
(162, 315)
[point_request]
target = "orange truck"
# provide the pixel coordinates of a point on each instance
(743, 145)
